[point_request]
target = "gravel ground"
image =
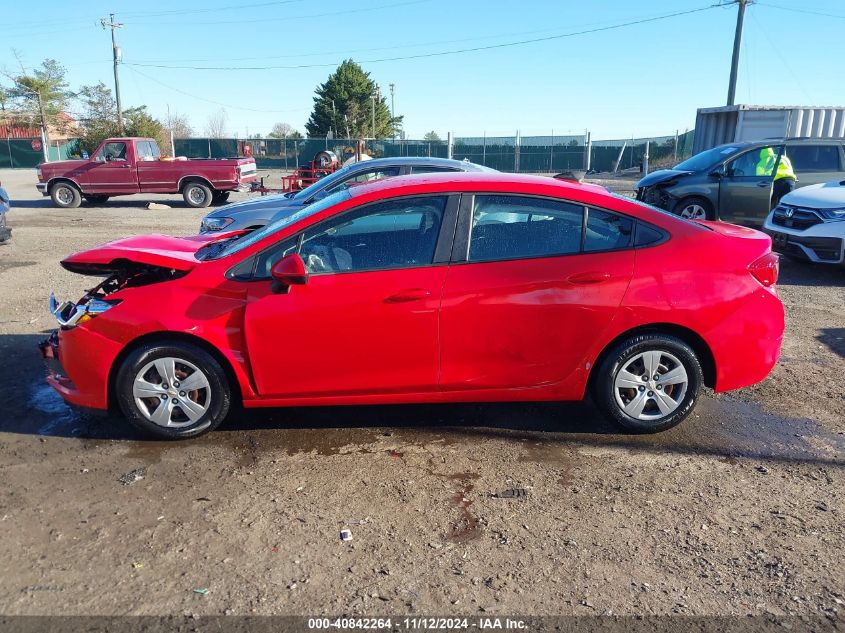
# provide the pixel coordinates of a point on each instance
(738, 511)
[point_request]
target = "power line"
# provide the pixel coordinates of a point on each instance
(347, 51)
(437, 53)
(238, 7)
(292, 17)
(194, 96)
(805, 11)
(143, 14)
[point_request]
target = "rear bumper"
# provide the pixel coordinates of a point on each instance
(747, 345)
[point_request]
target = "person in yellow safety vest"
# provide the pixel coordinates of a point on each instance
(785, 178)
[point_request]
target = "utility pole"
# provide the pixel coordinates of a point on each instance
(117, 53)
(740, 17)
(45, 135)
(392, 110)
(373, 97)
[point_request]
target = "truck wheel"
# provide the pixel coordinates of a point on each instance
(197, 194)
(220, 197)
(96, 198)
(65, 195)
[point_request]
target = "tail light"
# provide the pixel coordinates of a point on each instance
(765, 269)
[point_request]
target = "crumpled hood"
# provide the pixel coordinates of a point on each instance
(661, 175)
(152, 250)
(273, 203)
(829, 195)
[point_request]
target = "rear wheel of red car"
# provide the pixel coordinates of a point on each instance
(173, 390)
(197, 194)
(648, 383)
(65, 195)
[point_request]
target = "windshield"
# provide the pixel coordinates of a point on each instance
(326, 181)
(240, 242)
(707, 158)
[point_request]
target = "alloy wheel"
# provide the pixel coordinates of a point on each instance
(171, 392)
(650, 386)
(694, 212)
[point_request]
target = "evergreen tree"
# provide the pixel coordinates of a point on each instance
(343, 105)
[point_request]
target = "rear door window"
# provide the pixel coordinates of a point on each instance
(515, 227)
(814, 158)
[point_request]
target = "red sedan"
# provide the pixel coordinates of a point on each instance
(438, 288)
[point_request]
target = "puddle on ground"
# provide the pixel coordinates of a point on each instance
(60, 418)
(731, 428)
(724, 427)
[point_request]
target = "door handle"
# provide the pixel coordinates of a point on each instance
(585, 279)
(764, 183)
(414, 294)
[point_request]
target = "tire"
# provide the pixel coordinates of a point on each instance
(139, 374)
(220, 197)
(692, 208)
(96, 199)
(197, 194)
(65, 195)
(659, 412)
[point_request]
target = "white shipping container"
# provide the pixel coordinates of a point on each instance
(730, 124)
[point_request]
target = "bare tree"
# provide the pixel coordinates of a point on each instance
(216, 125)
(284, 130)
(179, 125)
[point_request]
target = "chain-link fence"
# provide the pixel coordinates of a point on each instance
(530, 154)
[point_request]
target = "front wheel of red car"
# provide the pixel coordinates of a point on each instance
(648, 383)
(173, 390)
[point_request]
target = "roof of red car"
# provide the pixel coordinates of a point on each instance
(485, 181)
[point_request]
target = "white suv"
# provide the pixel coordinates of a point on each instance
(809, 224)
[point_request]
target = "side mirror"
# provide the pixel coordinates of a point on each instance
(717, 173)
(288, 271)
(98, 158)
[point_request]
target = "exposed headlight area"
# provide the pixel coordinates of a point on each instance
(655, 195)
(214, 224)
(832, 215)
(69, 314)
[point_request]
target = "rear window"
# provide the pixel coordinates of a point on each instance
(814, 158)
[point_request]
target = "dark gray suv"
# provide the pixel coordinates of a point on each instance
(723, 183)
(256, 212)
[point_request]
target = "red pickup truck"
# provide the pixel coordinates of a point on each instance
(123, 166)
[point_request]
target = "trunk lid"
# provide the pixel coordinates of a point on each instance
(164, 251)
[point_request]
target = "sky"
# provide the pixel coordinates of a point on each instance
(584, 73)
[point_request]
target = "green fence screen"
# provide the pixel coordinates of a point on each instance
(531, 154)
